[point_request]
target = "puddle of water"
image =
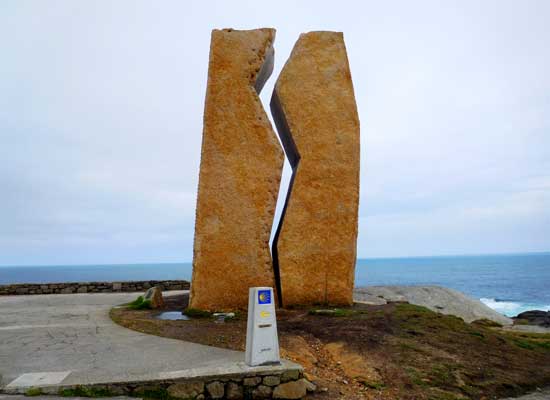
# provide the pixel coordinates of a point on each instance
(172, 315)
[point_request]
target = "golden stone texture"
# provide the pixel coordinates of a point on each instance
(315, 112)
(241, 164)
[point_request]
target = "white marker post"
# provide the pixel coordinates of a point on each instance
(262, 342)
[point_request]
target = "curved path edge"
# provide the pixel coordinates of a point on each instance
(64, 341)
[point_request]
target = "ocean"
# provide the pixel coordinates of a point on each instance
(510, 284)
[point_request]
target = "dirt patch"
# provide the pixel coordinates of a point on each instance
(391, 351)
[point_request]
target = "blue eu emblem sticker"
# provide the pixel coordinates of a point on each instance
(264, 297)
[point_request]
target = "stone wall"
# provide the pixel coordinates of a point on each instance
(286, 383)
(89, 287)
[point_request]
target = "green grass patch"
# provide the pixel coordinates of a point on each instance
(442, 375)
(410, 347)
(33, 391)
(83, 391)
(152, 392)
(531, 344)
(342, 312)
(411, 310)
(197, 313)
(140, 304)
(487, 323)
(477, 334)
(373, 385)
(416, 377)
(529, 335)
(417, 321)
(470, 391)
(524, 344)
(333, 312)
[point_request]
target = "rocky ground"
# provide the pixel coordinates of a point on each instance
(534, 318)
(387, 351)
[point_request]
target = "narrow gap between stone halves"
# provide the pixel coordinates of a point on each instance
(294, 159)
(261, 78)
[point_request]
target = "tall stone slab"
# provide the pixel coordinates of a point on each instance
(240, 170)
(314, 108)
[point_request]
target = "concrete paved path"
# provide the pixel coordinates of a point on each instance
(70, 339)
(21, 397)
(539, 395)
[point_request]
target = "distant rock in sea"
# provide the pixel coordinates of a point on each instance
(535, 317)
(436, 298)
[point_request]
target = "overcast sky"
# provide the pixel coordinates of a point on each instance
(101, 107)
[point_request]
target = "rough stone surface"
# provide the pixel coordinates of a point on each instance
(240, 171)
(186, 390)
(271, 380)
(314, 108)
(291, 390)
(535, 317)
(255, 380)
(528, 328)
(234, 391)
(539, 394)
(215, 389)
(438, 299)
(154, 295)
(143, 390)
(290, 376)
(262, 392)
(310, 386)
(360, 297)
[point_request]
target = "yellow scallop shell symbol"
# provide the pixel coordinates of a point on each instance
(263, 297)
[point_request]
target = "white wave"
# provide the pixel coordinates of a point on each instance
(512, 308)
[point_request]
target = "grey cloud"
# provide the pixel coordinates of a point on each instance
(101, 119)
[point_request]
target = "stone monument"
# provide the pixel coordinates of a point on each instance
(314, 108)
(240, 170)
(313, 105)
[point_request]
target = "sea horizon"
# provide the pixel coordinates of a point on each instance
(520, 253)
(509, 283)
